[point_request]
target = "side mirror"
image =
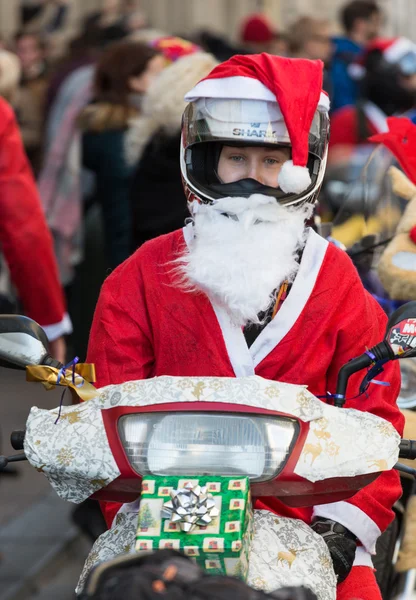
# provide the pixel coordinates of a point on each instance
(22, 342)
(401, 331)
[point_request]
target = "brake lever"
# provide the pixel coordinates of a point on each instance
(405, 469)
(5, 460)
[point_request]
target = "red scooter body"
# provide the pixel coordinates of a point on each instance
(288, 487)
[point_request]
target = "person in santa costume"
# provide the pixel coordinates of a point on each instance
(246, 288)
(388, 87)
(26, 242)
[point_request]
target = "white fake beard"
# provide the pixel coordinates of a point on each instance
(240, 260)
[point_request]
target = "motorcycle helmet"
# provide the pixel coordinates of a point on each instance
(257, 100)
(388, 65)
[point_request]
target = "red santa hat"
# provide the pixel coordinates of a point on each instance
(400, 139)
(295, 84)
(256, 28)
(393, 49)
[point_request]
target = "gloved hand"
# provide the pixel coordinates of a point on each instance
(341, 545)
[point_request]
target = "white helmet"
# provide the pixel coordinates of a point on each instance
(242, 111)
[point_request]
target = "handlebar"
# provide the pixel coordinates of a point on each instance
(379, 352)
(407, 449)
(17, 439)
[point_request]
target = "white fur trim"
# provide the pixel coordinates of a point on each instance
(238, 351)
(188, 230)
(240, 87)
(354, 519)
(293, 178)
(376, 117)
(56, 330)
(398, 49)
(362, 558)
(276, 330)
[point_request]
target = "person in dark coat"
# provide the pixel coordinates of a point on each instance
(157, 198)
(123, 74)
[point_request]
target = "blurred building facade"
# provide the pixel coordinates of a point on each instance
(224, 16)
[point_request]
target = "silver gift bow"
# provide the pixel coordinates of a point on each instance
(190, 506)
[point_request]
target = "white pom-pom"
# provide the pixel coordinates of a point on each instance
(293, 179)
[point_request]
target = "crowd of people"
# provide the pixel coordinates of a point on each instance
(99, 170)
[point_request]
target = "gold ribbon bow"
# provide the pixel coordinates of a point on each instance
(77, 378)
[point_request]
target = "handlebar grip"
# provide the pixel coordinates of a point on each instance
(408, 449)
(17, 439)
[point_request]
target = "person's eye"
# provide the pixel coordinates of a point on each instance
(273, 161)
(236, 158)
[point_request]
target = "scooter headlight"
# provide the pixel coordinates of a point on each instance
(215, 444)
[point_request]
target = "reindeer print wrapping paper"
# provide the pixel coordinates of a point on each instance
(73, 451)
(287, 552)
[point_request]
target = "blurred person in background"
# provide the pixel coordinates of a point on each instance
(257, 34)
(91, 272)
(153, 146)
(310, 38)
(47, 17)
(30, 49)
(25, 240)
(361, 21)
(81, 51)
(56, 21)
(387, 87)
(64, 183)
(109, 23)
(61, 181)
(123, 75)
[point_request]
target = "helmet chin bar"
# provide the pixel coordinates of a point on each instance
(245, 188)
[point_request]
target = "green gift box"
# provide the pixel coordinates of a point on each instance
(221, 547)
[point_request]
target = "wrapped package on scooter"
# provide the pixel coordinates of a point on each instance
(209, 519)
(72, 449)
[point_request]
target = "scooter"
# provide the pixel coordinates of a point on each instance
(289, 444)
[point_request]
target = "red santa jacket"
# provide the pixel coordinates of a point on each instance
(146, 326)
(24, 236)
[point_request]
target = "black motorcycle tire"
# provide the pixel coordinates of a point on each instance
(383, 560)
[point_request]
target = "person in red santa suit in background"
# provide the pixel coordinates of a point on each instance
(388, 87)
(246, 288)
(25, 240)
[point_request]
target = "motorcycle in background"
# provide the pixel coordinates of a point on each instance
(363, 212)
